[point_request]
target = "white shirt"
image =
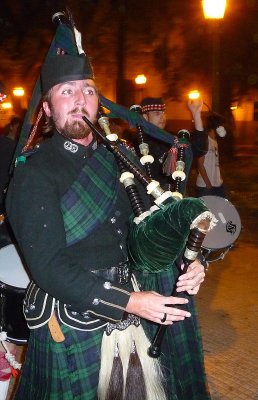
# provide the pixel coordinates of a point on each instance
(211, 164)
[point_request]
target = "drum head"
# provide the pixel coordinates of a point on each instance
(12, 271)
(228, 226)
(13, 281)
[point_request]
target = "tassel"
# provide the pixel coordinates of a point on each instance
(135, 383)
(116, 383)
(169, 165)
(152, 376)
(34, 130)
(142, 374)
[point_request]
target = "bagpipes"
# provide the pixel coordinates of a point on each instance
(157, 236)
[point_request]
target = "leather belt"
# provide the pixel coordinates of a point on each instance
(119, 274)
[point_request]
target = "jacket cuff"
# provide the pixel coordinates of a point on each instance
(110, 303)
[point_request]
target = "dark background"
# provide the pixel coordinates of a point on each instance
(174, 31)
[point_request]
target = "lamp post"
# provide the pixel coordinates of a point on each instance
(19, 99)
(18, 91)
(214, 10)
(194, 94)
(140, 81)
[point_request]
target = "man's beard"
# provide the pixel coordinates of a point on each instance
(76, 129)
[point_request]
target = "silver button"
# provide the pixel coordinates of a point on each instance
(32, 307)
(86, 315)
(95, 302)
(107, 285)
(74, 313)
(119, 231)
(113, 220)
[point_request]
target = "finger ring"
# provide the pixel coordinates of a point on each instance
(164, 317)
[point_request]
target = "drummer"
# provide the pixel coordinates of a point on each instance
(75, 248)
(8, 143)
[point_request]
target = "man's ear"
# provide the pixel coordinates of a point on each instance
(46, 108)
(145, 116)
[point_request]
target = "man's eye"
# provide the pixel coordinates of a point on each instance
(67, 91)
(89, 91)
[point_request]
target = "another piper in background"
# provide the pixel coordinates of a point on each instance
(154, 111)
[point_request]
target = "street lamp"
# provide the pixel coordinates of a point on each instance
(140, 81)
(6, 105)
(214, 10)
(194, 94)
(19, 99)
(18, 91)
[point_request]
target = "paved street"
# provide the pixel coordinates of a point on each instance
(228, 300)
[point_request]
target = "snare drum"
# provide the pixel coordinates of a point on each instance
(13, 282)
(220, 239)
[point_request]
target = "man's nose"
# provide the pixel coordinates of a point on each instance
(80, 98)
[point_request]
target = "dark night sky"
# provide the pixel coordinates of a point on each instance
(26, 31)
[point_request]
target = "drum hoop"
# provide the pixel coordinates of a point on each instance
(223, 251)
(20, 270)
(11, 288)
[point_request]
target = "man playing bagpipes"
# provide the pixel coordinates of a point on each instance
(70, 214)
(162, 145)
(154, 111)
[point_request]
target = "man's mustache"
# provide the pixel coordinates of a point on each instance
(78, 110)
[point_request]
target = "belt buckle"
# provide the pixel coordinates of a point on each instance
(123, 272)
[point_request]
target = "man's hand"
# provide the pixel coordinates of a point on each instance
(153, 306)
(195, 106)
(192, 279)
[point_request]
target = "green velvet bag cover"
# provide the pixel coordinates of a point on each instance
(156, 242)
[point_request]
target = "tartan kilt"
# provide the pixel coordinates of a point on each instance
(70, 370)
(182, 352)
(61, 371)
